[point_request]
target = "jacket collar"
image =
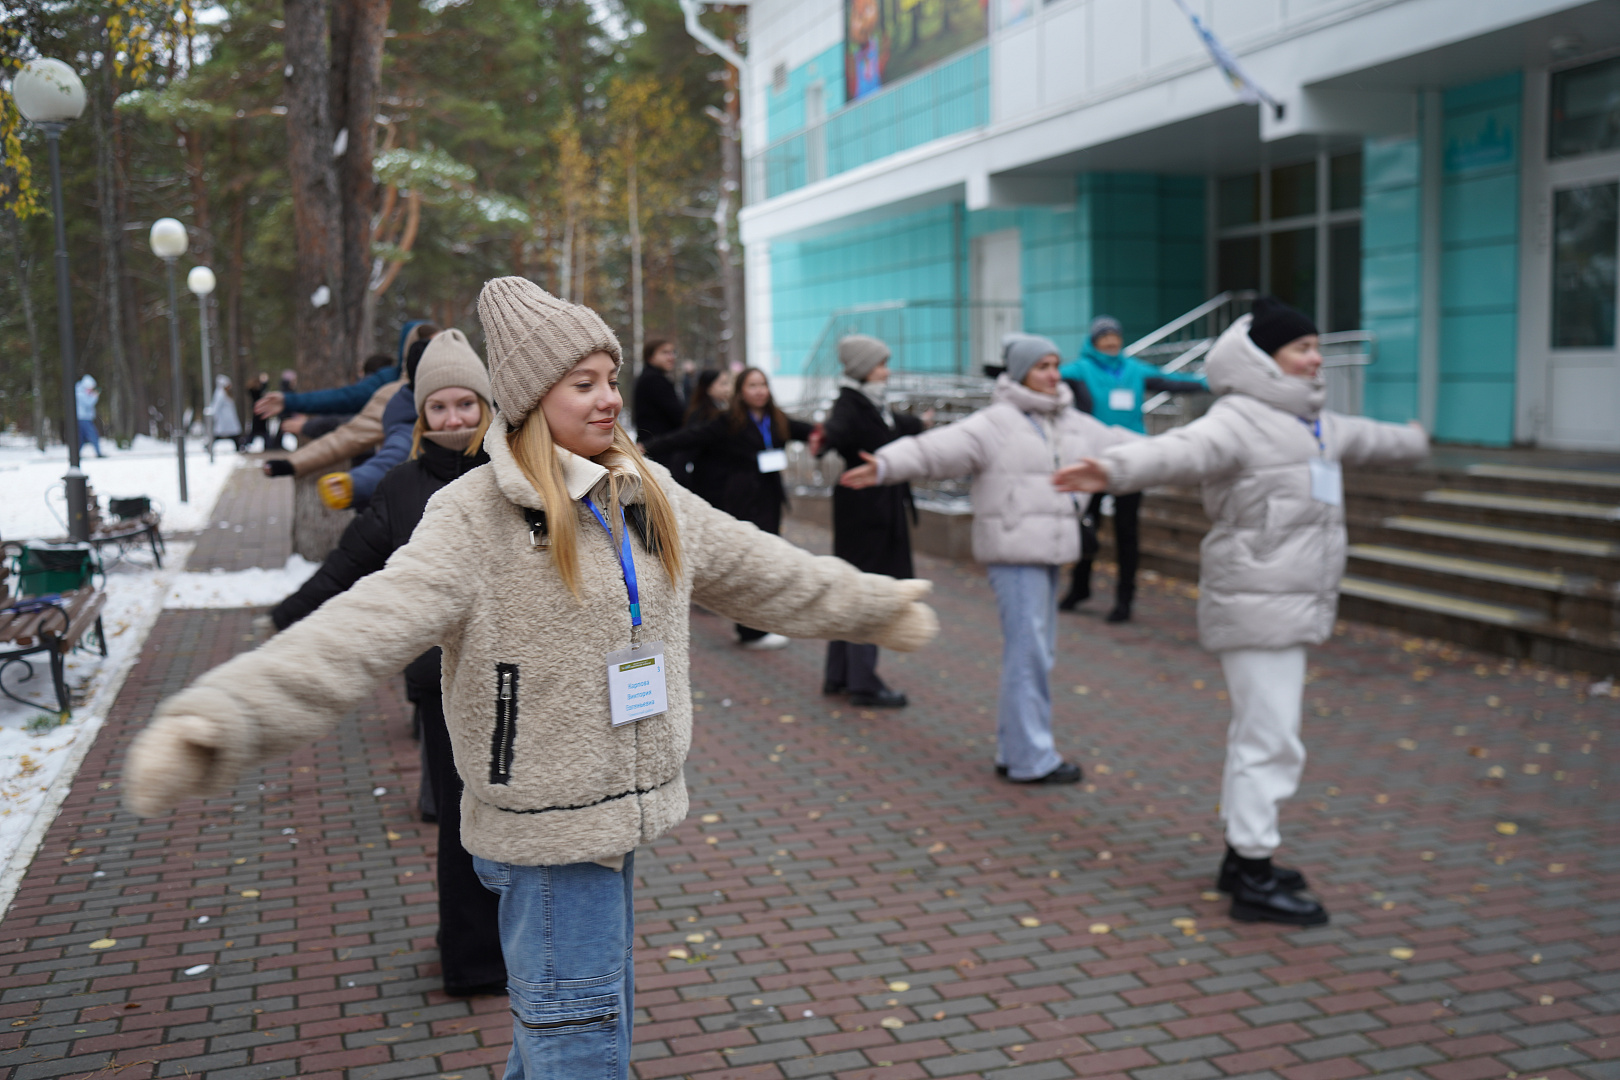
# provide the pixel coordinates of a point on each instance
(1026, 400)
(1237, 365)
(1110, 364)
(582, 476)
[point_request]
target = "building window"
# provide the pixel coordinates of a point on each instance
(1586, 230)
(1584, 110)
(1294, 231)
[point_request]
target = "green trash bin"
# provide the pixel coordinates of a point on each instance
(50, 568)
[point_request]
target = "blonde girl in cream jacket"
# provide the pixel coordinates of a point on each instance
(518, 571)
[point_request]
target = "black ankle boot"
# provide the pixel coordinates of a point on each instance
(1122, 604)
(1258, 896)
(1079, 589)
(1289, 878)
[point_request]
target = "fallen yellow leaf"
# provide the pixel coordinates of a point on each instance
(694, 939)
(899, 986)
(250, 893)
(1401, 953)
(103, 943)
(1507, 828)
(710, 819)
(1029, 921)
(891, 1022)
(678, 954)
(1098, 928)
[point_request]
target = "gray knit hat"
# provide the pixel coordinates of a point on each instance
(1020, 352)
(1105, 324)
(449, 360)
(534, 340)
(861, 355)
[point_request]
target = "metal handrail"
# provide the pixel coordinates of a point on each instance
(1181, 322)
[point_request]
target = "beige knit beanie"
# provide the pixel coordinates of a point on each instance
(861, 355)
(534, 340)
(449, 360)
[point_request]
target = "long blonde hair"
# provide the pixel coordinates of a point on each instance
(536, 454)
(477, 444)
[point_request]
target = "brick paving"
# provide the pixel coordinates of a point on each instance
(857, 896)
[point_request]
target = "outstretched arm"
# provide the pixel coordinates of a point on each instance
(1369, 442)
(296, 687)
(748, 575)
(1209, 446)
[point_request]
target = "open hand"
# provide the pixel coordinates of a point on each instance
(861, 476)
(270, 404)
(174, 759)
(294, 424)
(1088, 475)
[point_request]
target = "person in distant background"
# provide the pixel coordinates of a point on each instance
(1111, 386)
(85, 396)
(705, 474)
(223, 411)
(659, 409)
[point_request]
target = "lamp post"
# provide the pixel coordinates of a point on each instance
(49, 95)
(201, 283)
(168, 240)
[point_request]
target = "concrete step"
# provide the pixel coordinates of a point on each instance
(1530, 548)
(1563, 598)
(1571, 517)
(1503, 628)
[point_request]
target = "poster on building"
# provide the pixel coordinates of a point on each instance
(886, 40)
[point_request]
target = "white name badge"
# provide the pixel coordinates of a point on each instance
(772, 460)
(636, 687)
(1327, 482)
(1121, 399)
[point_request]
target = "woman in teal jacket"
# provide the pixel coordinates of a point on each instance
(1114, 385)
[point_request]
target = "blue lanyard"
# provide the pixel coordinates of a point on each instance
(627, 559)
(1316, 430)
(764, 425)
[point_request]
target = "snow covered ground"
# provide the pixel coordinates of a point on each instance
(31, 500)
(253, 587)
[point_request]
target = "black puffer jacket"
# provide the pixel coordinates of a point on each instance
(387, 523)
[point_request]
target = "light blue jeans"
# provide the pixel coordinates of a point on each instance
(566, 934)
(1027, 598)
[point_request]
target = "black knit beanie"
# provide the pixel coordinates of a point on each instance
(1276, 324)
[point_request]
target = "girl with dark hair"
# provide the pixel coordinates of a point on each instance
(747, 444)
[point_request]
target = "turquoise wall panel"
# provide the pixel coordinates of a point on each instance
(1479, 261)
(785, 110)
(1391, 274)
(1475, 412)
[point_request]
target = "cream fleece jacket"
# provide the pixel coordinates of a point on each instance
(548, 779)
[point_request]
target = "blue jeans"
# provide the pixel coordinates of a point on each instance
(88, 434)
(1026, 597)
(566, 933)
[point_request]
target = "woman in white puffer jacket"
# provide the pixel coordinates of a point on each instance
(1022, 528)
(1269, 459)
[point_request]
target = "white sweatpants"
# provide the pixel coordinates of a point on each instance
(1264, 757)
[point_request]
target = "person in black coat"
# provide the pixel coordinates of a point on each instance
(659, 410)
(746, 444)
(448, 444)
(711, 396)
(871, 529)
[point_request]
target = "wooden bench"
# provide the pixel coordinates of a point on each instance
(52, 626)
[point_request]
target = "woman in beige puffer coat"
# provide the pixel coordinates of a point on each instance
(1023, 529)
(1269, 459)
(534, 573)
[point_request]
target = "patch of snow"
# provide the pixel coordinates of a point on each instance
(35, 507)
(253, 587)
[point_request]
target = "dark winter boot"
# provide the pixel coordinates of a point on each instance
(1226, 881)
(1122, 603)
(1079, 588)
(1258, 896)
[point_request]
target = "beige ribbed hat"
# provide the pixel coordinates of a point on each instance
(861, 355)
(534, 340)
(449, 360)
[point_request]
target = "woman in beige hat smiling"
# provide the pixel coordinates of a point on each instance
(558, 580)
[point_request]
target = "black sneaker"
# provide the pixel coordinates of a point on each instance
(880, 699)
(1066, 773)
(1258, 896)
(1287, 877)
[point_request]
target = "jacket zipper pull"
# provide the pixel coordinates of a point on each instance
(506, 686)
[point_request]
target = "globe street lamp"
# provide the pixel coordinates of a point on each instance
(49, 95)
(201, 283)
(169, 243)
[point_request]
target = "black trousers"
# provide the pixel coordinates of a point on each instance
(1127, 544)
(469, 924)
(853, 667)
